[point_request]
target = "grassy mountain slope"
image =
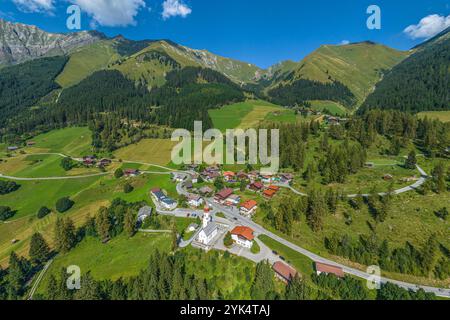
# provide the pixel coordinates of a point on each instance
(358, 66)
(85, 61)
(419, 83)
(150, 65)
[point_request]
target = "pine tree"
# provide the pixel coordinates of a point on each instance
(263, 284)
(103, 224)
(297, 289)
(130, 223)
(65, 237)
(39, 250)
(411, 161)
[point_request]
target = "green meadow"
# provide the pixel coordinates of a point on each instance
(120, 257)
(333, 107)
(248, 114)
(72, 141)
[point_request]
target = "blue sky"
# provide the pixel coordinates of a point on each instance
(262, 32)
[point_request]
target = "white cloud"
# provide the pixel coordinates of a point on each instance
(344, 42)
(111, 13)
(35, 5)
(173, 8)
(428, 27)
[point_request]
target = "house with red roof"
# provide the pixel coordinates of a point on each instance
(229, 176)
(269, 193)
(243, 236)
(248, 208)
(284, 272)
(329, 269)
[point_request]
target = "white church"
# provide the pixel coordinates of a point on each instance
(210, 229)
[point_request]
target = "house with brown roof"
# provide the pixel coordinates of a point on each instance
(284, 272)
(329, 269)
(243, 236)
(223, 195)
(248, 208)
(131, 172)
(256, 186)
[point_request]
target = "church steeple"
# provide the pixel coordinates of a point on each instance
(206, 217)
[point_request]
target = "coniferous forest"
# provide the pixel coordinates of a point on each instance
(420, 83)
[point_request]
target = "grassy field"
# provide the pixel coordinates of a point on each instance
(155, 151)
(232, 274)
(443, 116)
(331, 106)
(72, 141)
(86, 61)
(89, 194)
(301, 263)
(121, 257)
(242, 115)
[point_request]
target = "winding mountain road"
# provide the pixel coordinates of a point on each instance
(233, 215)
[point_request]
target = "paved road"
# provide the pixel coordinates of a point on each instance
(415, 186)
(55, 178)
(39, 279)
(234, 215)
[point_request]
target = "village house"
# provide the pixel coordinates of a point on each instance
(229, 176)
(241, 175)
(269, 193)
(30, 143)
(388, 177)
(206, 191)
(210, 176)
(194, 178)
(286, 178)
(195, 200)
(89, 160)
(222, 196)
(329, 269)
(144, 213)
(163, 200)
(131, 172)
(209, 229)
(13, 148)
(243, 236)
(248, 208)
(256, 186)
(284, 272)
(104, 162)
(266, 179)
(253, 175)
(233, 200)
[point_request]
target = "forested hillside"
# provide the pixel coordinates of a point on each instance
(23, 85)
(357, 67)
(304, 90)
(420, 83)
